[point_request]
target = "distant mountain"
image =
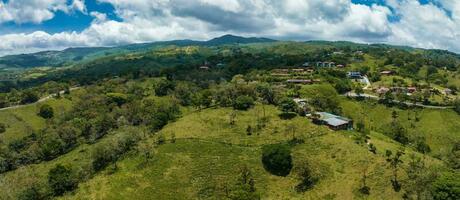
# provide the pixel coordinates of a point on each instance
(231, 39)
(73, 55)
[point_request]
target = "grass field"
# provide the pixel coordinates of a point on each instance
(203, 163)
(24, 120)
(440, 127)
(208, 151)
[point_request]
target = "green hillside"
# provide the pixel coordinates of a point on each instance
(235, 118)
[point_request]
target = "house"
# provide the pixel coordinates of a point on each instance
(325, 64)
(306, 64)
(354, 75)
(382, 90)
(387, 73)
(300, 81)
(205, 68)
(302, 103)
(334, 122)
(411, 90)
(448, 91)
(298, 70)
(340, 66)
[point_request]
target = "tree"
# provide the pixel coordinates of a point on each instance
(33, 192)
(61, 179)
(365, 189)
(245, 187)
(277, 159)
(46, 111)
(266, 93)
(447, 186)
(395, 162)
(359, 90)
(118, 98)
(457, 106)
(29, 97)
(420, 178)
(287, 105)
(163, 87)
(2, 127)
(249, 130)
(243, 103)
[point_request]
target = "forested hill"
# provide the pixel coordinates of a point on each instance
(74, 55)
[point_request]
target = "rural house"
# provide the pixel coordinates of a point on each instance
(334, 122)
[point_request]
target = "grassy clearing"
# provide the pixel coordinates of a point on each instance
(23, 121)
(208, 152)
(440, 127)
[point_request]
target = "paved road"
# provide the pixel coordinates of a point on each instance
(39, 101)
(352, 94)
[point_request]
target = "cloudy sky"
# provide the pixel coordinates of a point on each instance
(34, 25)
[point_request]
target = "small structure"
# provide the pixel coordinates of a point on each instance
(354, 75)
(387, 73)
(204, 68)
(382, 90)
(340, 66)
(334, 122)
(300, 81)
(447, 91)
(298, 70)
(325, 64)
(411, 90)
(306, 64)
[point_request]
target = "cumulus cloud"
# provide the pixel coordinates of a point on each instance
(422, 25)
(35, 11)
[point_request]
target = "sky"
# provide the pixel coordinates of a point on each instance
(35, 25)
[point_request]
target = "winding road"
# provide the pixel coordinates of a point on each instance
(352, 94)
(39, 101)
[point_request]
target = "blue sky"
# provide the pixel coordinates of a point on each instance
(35, 25)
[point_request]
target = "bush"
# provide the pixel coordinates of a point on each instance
(29, 97)
(447, 186)
(243, 103)
(46, 111)
(277, 159)
(32, 193)
(457, 106)
(306, 176)
(61, 180)
(287, 105)
(2, 127)
(118, 98)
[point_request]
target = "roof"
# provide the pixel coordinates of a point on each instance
(336, 122)
(332, 119)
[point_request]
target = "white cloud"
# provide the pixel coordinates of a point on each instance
(36, 11)
(79, 5)
(151, 20)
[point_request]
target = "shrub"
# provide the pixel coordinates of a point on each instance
(2, 127)
(277, 159)
(243, 103)
(457, 106)
(447, 186)
(29, 97)
(118, 98)
(245, 186)
(287, 105)
(306, 176)
(61, 180)
(46, 111)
